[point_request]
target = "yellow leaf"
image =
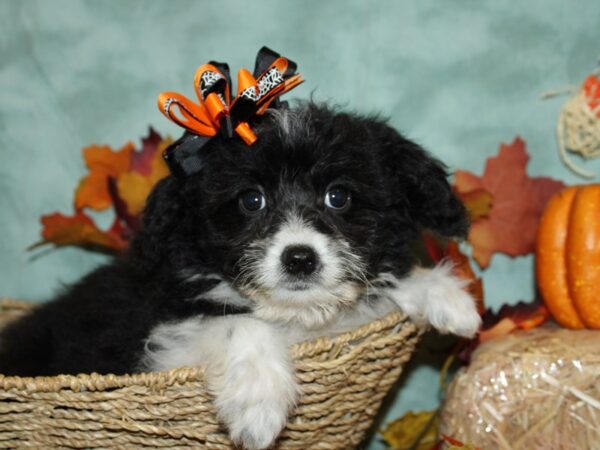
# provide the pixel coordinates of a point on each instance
(403, 433)
(134, 188)
(478, 203)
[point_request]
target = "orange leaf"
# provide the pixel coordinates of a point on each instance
(522, 316)
(103, 163)
(518, 201)
(121, 179)
(503, 327)
(457, 444)
(79, 230)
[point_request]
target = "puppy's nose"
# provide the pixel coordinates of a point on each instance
(299, 260)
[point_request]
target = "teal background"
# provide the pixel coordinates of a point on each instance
(459, 77)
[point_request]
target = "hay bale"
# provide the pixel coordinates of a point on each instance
(536, 389)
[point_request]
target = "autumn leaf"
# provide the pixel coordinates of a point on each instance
(103, 163)
(522, 316)
(142, 161)
(413, 431)
(130, 223)
(134, 186)
(456, 444)
(509, 318)
(79, 230)
(466, 272)
(516, 206)
(122, 179)
(478, 203)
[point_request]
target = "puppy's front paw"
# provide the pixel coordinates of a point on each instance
(254, 404)
(437, 297)
(258, 426)
(454, 311)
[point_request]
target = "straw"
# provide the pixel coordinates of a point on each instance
(538, 389)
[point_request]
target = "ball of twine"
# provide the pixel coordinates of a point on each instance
(578, 129)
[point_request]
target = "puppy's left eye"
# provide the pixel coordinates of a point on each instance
(252, 201)
(337, 198)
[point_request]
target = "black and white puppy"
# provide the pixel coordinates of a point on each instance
(308, 232)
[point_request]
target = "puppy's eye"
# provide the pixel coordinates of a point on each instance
(337, 198)
(252, 201)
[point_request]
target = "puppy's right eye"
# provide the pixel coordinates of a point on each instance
(252, 201)
(338, 198)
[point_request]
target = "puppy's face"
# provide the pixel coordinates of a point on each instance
(302, 220)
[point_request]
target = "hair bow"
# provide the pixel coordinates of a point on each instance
(216, 112)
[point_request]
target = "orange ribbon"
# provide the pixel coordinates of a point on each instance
(215, 106)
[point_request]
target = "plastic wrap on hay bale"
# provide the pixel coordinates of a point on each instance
(537, 389)
(343, 382)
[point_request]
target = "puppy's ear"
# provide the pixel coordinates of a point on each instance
(161, 215)
(422, 180)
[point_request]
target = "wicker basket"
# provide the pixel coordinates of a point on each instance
(343, 381)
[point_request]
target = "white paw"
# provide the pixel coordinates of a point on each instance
(254, 403)
(437, 297)
(258, 426)
(452, 310)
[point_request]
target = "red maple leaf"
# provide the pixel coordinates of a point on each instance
(141, 161)
(516, 207)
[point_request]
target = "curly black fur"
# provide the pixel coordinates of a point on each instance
(194, 226)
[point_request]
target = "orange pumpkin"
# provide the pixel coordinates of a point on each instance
(568, 256)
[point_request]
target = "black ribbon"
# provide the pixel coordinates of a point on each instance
(183, 156)
(264, 59)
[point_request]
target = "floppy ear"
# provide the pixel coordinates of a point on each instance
(163, 211)
(423, 181)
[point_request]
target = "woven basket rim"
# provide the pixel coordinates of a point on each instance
(180, 375)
